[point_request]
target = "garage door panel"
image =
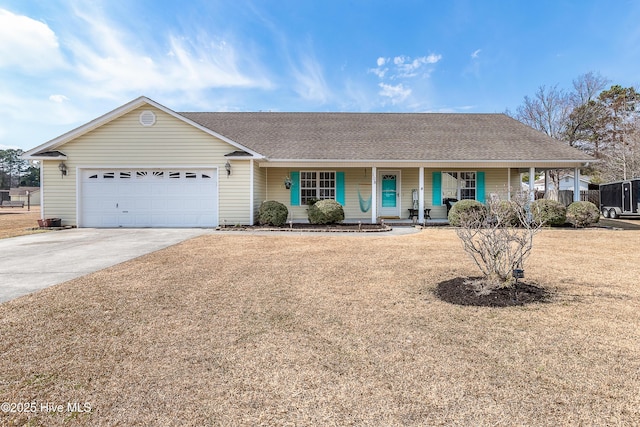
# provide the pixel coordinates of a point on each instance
(149, 198)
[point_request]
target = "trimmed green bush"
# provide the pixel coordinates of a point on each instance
(326, 212)
(548, 212)
(466, 209)
(583, 214)
(272, 213)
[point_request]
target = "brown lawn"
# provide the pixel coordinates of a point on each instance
(18, 221)
(241, 329)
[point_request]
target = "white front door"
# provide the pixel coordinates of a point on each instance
(148, 197)
(389, 194)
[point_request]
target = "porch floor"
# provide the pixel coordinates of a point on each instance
(389, 221)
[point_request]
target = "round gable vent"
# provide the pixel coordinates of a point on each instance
(147, 118)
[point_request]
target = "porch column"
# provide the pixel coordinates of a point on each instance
(421, 195)
(546, 183)
(532, 188)
(374, 195)
(576, 185)
(509, 184)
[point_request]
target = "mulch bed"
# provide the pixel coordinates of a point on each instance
(456, 291)
(313, 227)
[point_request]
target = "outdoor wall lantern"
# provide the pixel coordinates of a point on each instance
(227, 166)
(287, 183)
(63, 168)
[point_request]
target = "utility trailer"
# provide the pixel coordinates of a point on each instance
(620, 198)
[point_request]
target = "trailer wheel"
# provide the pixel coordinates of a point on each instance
(613, 214)
(605, 212)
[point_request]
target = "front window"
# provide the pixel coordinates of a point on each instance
(316, 185)
(459, 185)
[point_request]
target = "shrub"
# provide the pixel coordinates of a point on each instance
(505, 212)
(326, 212)
(548, 212)
(272, 213)
(466, 209)
(496, 247)
(582, 214)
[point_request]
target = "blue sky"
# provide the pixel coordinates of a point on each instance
(63, 63)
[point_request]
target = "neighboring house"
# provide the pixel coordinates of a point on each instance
(144, 165)
(28, 195)
(566, 183)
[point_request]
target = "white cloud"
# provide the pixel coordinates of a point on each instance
(309, 81)
(28, 44)
(397, 93)
(405, 67)
(409, 67)
(115, 63)
(380, 72)
(432, 59)
(476, 54)
(58, 98)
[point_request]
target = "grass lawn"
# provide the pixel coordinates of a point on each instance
(17, 221)
(241, 329)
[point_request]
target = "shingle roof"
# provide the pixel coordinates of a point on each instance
(387, 136)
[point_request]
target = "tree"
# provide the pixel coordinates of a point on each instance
(547, 112)
(581, 127)
(31, 177)
(11, 167)
(618, 131)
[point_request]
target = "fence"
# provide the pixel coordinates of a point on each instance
(566, 196)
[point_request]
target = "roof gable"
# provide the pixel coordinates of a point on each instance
(44, 151)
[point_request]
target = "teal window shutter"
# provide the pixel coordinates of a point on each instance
(437, 189)
(340, 187)
(480, 187)
(295, 189)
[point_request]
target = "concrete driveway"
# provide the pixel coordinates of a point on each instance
(36, 261)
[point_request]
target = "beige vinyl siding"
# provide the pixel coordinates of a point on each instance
(59, 195)
(495, 182)
(259, 189)
(234, 193)
(170, 142)
(355, 178)
(276, 190)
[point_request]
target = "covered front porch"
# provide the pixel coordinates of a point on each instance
(393, 193)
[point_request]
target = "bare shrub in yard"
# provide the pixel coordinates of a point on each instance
(494, 243)
(583, 214)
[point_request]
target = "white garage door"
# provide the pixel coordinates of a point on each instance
(149, 198)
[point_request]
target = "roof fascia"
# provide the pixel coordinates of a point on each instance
(60, 157)
(512, 163)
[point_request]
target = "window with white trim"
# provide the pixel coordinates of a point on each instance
(459, 185)
(317, 185)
